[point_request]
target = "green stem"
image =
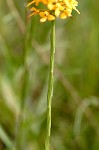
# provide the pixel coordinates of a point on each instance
(50, 86)
(20, 139)
(20, 125)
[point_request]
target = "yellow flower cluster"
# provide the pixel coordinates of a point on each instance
(53, 9)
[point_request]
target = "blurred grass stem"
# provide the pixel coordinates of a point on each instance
(50, 86)
(19, 143)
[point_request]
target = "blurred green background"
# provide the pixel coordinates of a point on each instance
(75, 105)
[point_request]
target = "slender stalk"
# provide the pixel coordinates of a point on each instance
(50, 86)
(20, 139)
(20, 121)
(20, 124)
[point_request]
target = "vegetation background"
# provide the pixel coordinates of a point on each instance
(75, 105)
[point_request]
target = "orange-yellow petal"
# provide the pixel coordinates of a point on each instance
(42, 14)
(30, 3)
(51, 17)
(77, 11)
(57, 12)
(33, 9)
(43, 19)
(45, 2)
(51, 6)
(63, 16)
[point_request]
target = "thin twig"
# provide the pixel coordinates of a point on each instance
(50, 86)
